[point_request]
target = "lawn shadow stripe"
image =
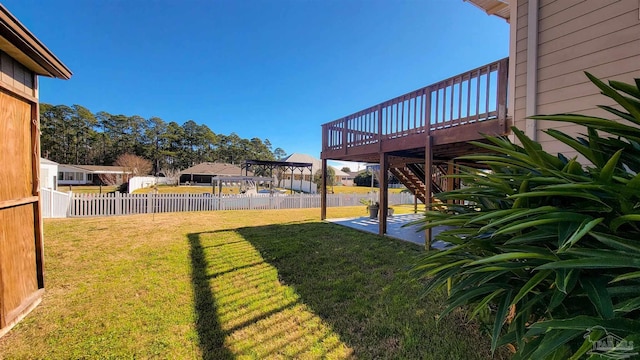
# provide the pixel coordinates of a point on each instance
(359, 285)
(211, 337)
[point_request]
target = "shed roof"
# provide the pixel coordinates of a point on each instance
(17, 41)
(498, 8)
(209, 168)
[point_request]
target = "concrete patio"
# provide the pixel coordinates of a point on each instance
(397, 227)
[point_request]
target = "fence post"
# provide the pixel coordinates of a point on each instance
(70, 204)
(51, 203)
(118, 203)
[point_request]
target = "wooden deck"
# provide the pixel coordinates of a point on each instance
(416, 136)
(451, 112)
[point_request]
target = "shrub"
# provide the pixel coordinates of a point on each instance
(550, 246)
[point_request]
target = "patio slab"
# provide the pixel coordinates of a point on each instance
(395, 228)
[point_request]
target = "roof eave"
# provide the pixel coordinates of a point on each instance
(499, 8)
(17, 41)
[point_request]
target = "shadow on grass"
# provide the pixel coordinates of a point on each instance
(358, 283)
(210, 334)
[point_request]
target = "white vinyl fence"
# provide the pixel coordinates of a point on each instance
(139, 182)
(80, 205)
(55, 204)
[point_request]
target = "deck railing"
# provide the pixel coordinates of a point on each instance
(476, 95)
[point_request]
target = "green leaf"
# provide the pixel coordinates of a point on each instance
(583, 322)
(513, 256)
(518, 213)
(634, 184)
(590, 338)
(574, 194)
(607, 171)
(501, 315)
(626, 88)
(556, 299)
(627, 276)
(467, 296)
(628, 305)
(574, 144)
(525, 224)
(485, 302)
(438, 269)
(566, 279)
(617, 242)
(592, 263)
(612, 93)
(554, 340)
(597, 292)
(617, 222)
(532, 283)
(582, 230)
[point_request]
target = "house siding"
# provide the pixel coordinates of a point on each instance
(574, 36)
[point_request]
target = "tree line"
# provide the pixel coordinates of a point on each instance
(75, 135)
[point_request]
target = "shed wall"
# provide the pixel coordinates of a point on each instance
(21, 262)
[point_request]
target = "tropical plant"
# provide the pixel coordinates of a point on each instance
(549, 245)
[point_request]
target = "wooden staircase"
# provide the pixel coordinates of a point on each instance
(413, 177)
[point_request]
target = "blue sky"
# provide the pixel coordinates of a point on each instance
(274, 69)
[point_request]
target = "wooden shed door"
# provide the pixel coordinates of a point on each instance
(19, 222)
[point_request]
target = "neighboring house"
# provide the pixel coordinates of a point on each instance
(22, 59)
(92, 174)
(204, 172)
(307, 174)
(48, 174)
(552, 44)
(349, 179)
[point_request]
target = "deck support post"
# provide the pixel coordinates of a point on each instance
(451, 182)
(428, 179)
(323, 191)
(383, 182)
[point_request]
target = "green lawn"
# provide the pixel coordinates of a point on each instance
(88, 189)
(358, 190)
(230, 284)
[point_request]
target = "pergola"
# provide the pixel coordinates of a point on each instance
(262, 166)
(243, 180)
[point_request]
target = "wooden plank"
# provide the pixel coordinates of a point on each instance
(428, 162)
(18, 314)
(17, 257)
(35, 149)
(478, 96)
(384, 193)
(16, 148)
(18, 202)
